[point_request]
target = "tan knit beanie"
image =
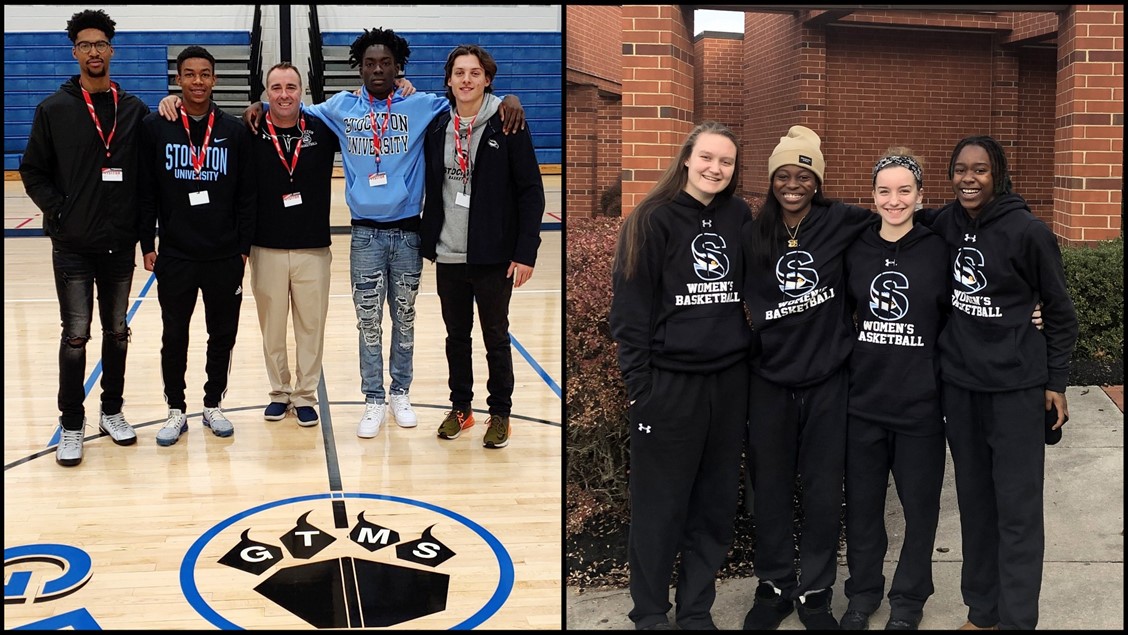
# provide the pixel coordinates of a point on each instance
(800, 147)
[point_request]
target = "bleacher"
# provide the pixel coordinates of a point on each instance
(528, 65)
(144, 64)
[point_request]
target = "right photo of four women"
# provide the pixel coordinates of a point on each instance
(823, 347)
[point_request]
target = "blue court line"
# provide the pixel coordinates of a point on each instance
(532, 362)
(97, 372)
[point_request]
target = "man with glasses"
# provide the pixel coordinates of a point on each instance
(80, 169)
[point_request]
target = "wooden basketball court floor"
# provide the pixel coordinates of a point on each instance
(280, 526)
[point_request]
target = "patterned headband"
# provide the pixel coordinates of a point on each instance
(903, 161)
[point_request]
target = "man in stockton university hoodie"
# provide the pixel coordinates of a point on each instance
(1001, 376)
(381, 134)
(80, 169)
(198, 181)
(897, 282)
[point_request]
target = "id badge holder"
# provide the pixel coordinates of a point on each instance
(198, 198)
(462, 199)
(291, 200)
(377, 179)
(112, 174)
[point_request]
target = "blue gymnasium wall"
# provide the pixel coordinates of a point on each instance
(37, 63)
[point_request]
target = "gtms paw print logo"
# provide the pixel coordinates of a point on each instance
(349, 590)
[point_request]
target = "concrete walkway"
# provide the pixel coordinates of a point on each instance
(1083, 577)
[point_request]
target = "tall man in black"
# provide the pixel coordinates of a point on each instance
(199, 182)
(80, 169)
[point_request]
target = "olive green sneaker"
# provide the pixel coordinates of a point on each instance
(497, 432)
(455, 422)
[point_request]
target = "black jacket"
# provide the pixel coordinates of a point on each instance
(62, 169)
(899, 292)
(1003, 262)
(681, 309)
(223, 227)
(506, 196)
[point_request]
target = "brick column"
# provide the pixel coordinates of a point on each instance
(657, 93)
(1089, 137)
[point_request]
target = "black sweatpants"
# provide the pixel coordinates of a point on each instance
(460, 288)
(685, 468)
(917, 464)
(998, 450)
(797, 431)
(178, 283)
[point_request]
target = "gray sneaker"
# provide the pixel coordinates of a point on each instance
(176, 425)
(69, 450)
(118, 428)
(218, 422)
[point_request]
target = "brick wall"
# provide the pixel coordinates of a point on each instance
(1033, 156)
(1089, 125)
(657, 93)
(718, 82)
(593, 106)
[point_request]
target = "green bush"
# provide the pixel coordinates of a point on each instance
(1095, 278)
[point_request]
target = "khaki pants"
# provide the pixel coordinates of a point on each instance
(297, 279)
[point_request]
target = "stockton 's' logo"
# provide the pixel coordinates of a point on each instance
(795, 278)
(885, 298)
(967, 270)
(709, 260)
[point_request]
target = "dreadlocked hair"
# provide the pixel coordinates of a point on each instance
(396, 44)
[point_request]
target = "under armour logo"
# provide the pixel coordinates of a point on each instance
(642, 428)
(706, 222)
(890, 263)
(239, 290)
(493, 143)
(969, 238)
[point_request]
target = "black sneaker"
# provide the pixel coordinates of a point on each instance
(854, 620)
(814, 611)
(664, 625)
(769, 608)
(902, 624)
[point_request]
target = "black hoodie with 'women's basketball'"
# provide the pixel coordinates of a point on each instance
(899, 292)
(681, 310)
(1003, 262)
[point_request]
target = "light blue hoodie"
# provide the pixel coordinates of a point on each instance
(401, 155)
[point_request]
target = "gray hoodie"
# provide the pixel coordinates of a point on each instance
(451, 248)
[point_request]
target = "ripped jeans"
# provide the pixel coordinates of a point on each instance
(76, 275)
(385, 263)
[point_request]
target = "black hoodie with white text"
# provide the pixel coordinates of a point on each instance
(681, 310)
(899, 291)
(1002, 263)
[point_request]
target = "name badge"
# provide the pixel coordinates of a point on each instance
(290, 200)
(377, 179)
(462, 199)
(111, 174)
(198, 198)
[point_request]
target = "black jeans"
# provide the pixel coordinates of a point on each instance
(76, 275)
(460, 287)
(178, 283)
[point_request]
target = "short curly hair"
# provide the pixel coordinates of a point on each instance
(90, 19)
(396, 44)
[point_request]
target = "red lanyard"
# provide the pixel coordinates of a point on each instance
(463, 158)
(297, 148)
(377, 138)
(94, 116)
(197, 157)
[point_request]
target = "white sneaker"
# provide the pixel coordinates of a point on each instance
(68, 452)
(117, 428)
(401, 408)
(372, 420)
(218, 422)
(176, 425)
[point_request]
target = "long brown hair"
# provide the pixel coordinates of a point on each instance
(632, 235)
